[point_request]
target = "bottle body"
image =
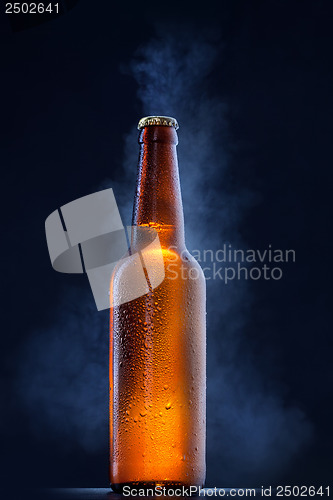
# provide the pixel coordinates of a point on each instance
(158, 368)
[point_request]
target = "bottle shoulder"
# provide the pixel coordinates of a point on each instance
(160, 263)
(183, 262)
(170, 253)
(182, 255)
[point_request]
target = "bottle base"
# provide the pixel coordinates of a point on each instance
(163, 488)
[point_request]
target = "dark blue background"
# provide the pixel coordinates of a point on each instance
(68, 102)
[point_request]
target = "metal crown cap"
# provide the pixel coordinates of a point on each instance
(158, 120)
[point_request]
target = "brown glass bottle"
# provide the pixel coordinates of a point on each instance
(158, 341)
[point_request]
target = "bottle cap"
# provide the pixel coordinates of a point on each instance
(158, 120)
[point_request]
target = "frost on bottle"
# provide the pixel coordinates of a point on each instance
(158, 340)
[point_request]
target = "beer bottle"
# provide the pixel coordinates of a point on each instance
(158, 340)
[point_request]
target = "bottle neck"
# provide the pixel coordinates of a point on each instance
(158, 202)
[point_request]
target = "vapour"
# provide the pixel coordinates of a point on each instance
(252, 434)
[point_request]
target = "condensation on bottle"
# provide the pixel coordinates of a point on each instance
(158, 340)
